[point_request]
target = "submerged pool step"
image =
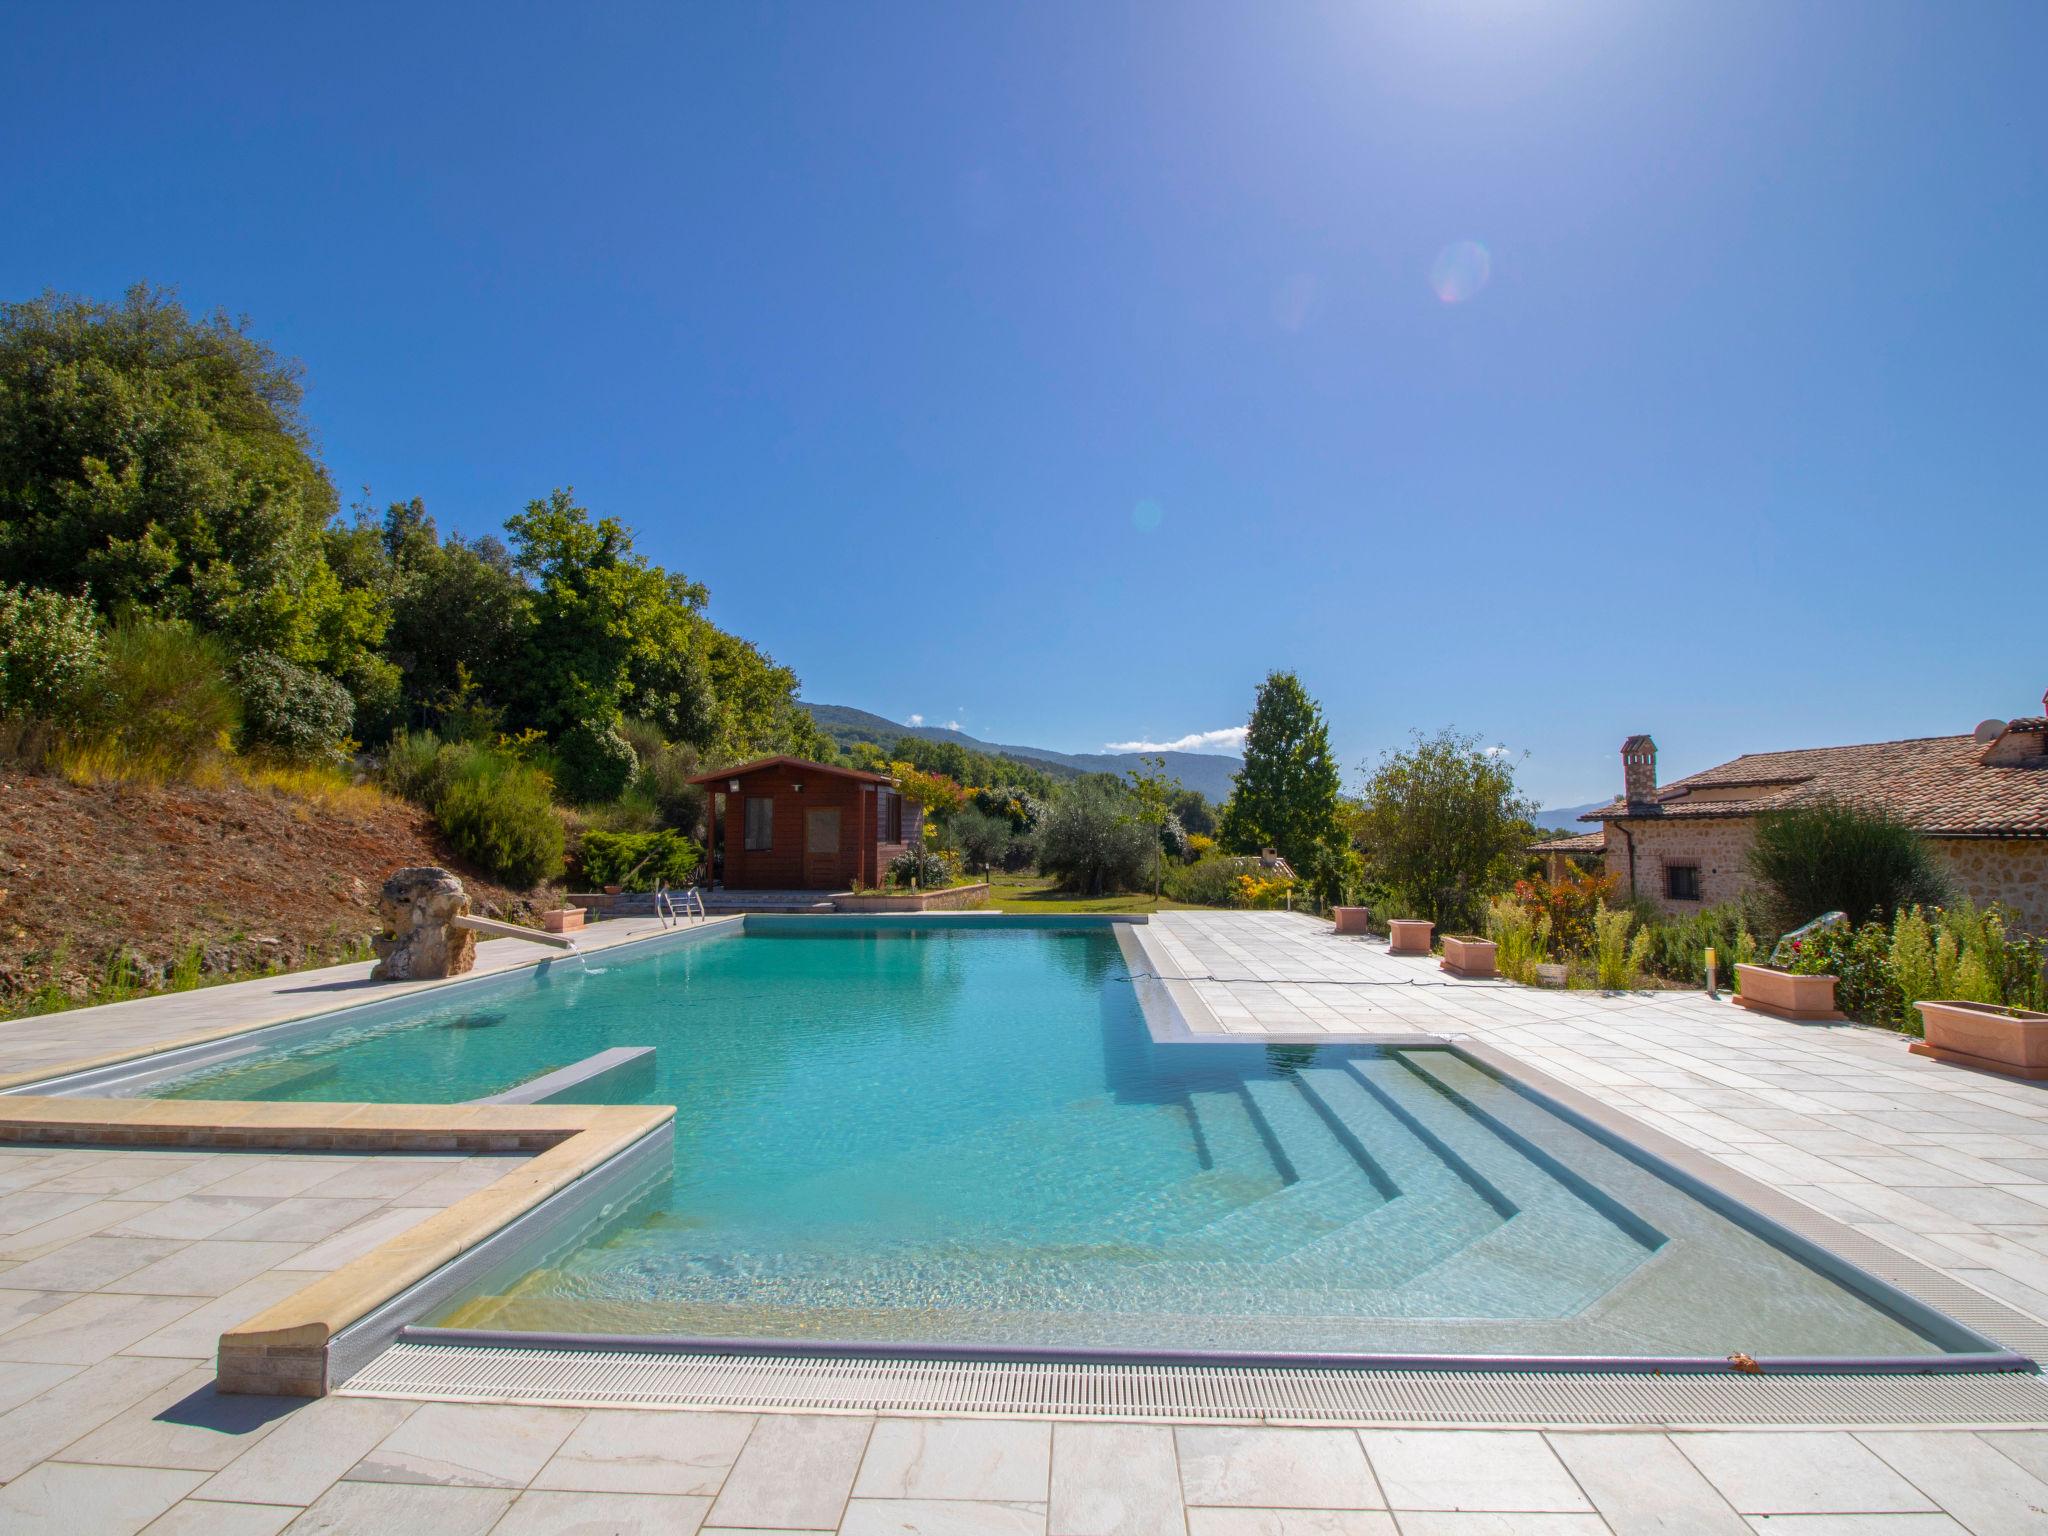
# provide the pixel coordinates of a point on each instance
(1331, 1187)
(1437, 1213)
(1555, 1256)
(1233, 1138)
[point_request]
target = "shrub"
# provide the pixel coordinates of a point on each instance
(635, 861)
(291, 709)
(597, 763)
(1088, 843)
(1521, 936)
(1678, 946)
(1226, 880)
(160, 708)
(664, 781)
(1210, 882)
(500, 815)
(408, 766)
(1835, 856)
(495, 810)
(50, 651)
(1618, 959)
(920, 867)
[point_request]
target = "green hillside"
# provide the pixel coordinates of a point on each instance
(1211, 774)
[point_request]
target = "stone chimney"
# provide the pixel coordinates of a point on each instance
(1639, 770)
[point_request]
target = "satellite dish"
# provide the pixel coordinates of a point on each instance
(1989, 730)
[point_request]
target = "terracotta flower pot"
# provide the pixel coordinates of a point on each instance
(1408, 935)
(562, 919)
(1469, 957)
(2009, 1040)
(1351, 919)
(1782, 995)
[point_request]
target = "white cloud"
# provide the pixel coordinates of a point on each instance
(1499, 751)
(952, 725)
(1231, 740)
(915, 720)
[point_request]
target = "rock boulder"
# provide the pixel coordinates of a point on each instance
(421, 941)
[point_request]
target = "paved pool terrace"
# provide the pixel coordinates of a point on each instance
(121, 1265)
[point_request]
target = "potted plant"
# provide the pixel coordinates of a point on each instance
(1989, 1035)
(1785, 994)
(1408, 935)
(1352, 919)
(1469, 956)
(562, 919)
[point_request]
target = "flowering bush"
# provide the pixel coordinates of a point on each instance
(1262, 893)
(1570, 904)
(1960, 952)
(50, 649)
(922, 868)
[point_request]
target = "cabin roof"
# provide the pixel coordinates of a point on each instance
(783, 760)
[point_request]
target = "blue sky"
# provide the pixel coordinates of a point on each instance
(1553, 371)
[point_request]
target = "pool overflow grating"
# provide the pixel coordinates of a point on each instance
(594, 1379)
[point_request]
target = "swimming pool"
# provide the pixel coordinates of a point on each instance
(967, 1135)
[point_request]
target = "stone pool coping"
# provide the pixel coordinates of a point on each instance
(283, 1350)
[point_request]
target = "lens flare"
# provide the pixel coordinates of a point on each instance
(1460, 270)
(1146, 514)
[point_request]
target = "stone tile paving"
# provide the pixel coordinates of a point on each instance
(136, 1258)
(1946, 1165)
(351, 1464)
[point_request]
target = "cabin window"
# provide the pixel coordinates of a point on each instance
(1682, 882)
(888, 817)
(760, 824)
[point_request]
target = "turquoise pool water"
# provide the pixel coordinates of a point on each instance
(969, 1136)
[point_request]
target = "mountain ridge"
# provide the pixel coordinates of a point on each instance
(1211, 773)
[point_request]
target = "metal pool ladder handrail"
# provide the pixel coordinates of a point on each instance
(668, 909)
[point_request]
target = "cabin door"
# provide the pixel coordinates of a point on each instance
(822, 866)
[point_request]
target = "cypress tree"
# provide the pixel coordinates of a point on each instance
(1286, 796)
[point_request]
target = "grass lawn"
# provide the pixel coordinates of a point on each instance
(1034, 893)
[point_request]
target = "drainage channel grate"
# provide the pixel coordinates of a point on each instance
(583, 1379)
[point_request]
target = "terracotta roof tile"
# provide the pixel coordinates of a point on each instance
(1935, 782)
(1585, 842)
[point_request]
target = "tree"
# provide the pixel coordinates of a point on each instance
(1152, 794)
(461, 616)
(941, 798)
(162, 462)
(593, 598)
(1088, 840)
(1444, 827)
(1286, 795)
(983, 839)
(1196, 816)
(1833, 855)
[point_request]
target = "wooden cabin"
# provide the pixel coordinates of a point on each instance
(784, 824)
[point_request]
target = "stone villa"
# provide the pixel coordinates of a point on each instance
(1981, 799)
